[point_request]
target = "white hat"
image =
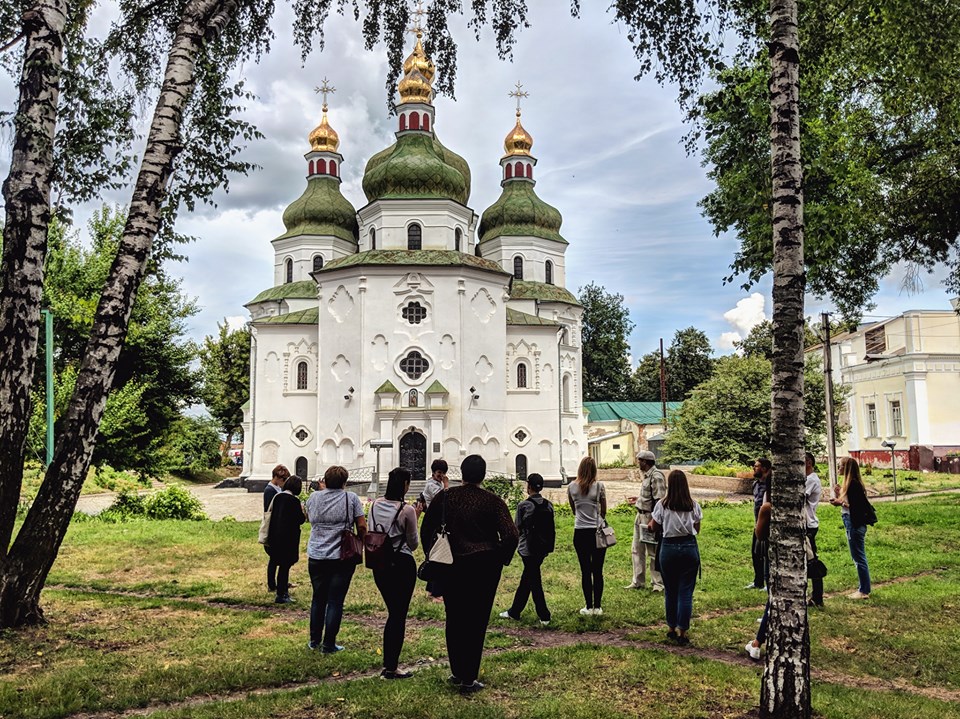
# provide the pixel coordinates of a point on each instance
(647, 455)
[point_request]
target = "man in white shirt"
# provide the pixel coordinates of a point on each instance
(812, 491)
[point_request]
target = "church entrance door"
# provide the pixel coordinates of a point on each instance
(521, 468)
(413, 455)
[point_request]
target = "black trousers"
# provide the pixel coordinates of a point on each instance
(817, 596)
(272, 568)
(396, 584)
(468, 593)
(531, 583)
(283, 578)
(591, 566)
(757, 553)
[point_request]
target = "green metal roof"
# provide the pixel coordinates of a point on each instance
(516, 317)
(428, 258)
(520, 213)
(321, 210)
(639, 412)
(309, 316)
(302, 290)
(387, 388)
(436, 388)
(417, 166)
(528, 290)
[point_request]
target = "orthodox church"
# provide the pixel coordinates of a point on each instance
(412, 324)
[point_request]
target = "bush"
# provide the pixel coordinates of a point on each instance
(509, 490)
(719, 469)
(174, 502)
(127, 504)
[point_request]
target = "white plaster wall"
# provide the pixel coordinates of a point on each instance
(438, 220)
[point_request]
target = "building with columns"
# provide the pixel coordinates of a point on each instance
(413, 320)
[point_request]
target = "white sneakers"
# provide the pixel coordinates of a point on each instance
(506, 615)
(587, 612)
(858, 595)
(753, 651)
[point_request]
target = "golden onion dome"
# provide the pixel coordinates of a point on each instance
(418, 72)
(419, 61)
(324, 138)
(518, 141)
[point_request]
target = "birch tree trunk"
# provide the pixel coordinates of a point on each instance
(26, 196)
(785, 689)
(38, 541)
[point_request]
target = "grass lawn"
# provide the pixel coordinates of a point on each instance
(174, 616)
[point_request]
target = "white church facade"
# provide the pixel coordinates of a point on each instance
(413, 321)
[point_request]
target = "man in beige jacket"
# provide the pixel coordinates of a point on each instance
(653, 487)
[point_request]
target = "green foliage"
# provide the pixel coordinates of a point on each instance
(880, 114)
(619, 463)
(194, 445)
(606, 326)
(154, 380)
(509, 490)
(225, 368)
(173, 502)
(687, 363)
(727, 418)
(127, 504)
(712, 468)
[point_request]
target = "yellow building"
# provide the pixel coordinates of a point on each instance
(904, 377)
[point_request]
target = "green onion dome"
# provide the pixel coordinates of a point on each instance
(417, 165)
(520, 213)
(322, 210)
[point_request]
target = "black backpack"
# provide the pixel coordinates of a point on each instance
(541, 533)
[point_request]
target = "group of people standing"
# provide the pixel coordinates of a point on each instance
(483, 538)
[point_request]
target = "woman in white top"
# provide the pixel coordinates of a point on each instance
(678, 517)
(588, 500)
(391, 514)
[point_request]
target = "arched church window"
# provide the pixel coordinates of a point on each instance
(403, 122)
(509, 171)
(302, 370)
(457, 238)
(426, 122)
(521, 376)
(321, 167)
(373, 238)
(414, 398)
(414, 237)
(518, 268)
(333, 168)
(548, 272)
(530, 171)
(414, 313)
(518, 168)
(566, 393)
(414, 120)
(312, 167)
(288, 271)
(317, 263)
(414, 365)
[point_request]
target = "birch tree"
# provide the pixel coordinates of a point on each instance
(226, 29)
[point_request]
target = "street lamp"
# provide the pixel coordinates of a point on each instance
(374, 489)
(891, 445)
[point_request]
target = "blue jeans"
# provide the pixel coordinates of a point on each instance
(855, 539)
(331, 580)
(679, 562)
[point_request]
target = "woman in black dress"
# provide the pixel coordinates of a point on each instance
(283, 538)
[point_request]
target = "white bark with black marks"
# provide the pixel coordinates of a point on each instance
(26, 196)
(785, 688)
(38, 542)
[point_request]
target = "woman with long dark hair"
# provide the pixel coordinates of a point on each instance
(851, 497)
(678, 517)
(330, 511)
(283, 535)
(588, 500)
(395, 580)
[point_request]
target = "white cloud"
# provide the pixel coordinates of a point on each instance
(727, 340)
(748, 313)
(236, 322)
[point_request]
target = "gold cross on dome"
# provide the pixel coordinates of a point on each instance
(519, 93)
(417, 28)
(325, 89)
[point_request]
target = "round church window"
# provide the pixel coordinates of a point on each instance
(414, 365)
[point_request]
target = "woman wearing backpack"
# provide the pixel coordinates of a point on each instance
(588, 500)
(537, 537)
(396, 574)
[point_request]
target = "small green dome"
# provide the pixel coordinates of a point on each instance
(417, 165)
(321, 210)
(519, 212)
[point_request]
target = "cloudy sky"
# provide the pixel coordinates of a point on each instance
(610, 159)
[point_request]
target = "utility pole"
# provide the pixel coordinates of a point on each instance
(828, 398)
(48, 346)
(663, 387)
